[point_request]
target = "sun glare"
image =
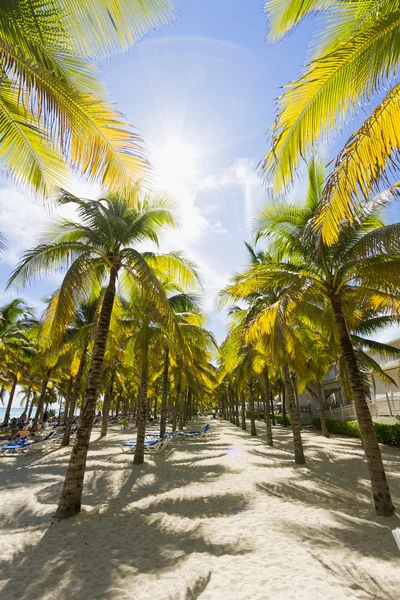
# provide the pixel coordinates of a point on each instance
(174, 165)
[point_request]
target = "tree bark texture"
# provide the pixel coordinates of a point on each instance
(71, 496)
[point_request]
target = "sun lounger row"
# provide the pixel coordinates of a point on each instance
(154, 444)
(25, 444)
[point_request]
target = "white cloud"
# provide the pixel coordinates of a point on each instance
(242, 173)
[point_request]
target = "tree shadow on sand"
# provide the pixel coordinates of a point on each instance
(355, 578)
(99, 554)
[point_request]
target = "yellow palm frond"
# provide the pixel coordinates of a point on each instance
(26, 150)
(360, 166)
(283, 15)
(91, 135)
(330, 89)
(91, 28)
(103, 27)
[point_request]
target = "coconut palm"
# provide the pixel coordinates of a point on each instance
(15, 346)
(355, 62)
(188, 329)
(356, 276)
(169, 322)
(53, 108)
(238, 358)
(97, 249)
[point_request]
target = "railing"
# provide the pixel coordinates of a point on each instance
(385, 405)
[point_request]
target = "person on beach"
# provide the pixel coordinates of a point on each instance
(20, 433)
(35, 427)
(24, 417)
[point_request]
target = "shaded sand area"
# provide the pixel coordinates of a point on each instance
(222, 518)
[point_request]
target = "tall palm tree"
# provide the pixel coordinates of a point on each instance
(97, 249)
(355, 62)
(188, 322)
(15, 346)
(357, 275)
(53, 108)
(156, 318)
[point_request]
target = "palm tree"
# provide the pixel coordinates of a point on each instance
(15, 347)
(356, 61)
(158, 318)
(238, 357)
(53, 110)
(99, 247)
(188, 330)
(356, 276)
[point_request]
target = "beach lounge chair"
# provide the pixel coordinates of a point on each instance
(22, 445)
(196, 434)
(16, 447)
(152, 446)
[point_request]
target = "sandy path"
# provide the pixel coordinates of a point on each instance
(223, 518)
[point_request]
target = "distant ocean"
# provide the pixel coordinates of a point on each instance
(15, 412)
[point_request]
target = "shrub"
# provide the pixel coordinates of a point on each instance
(279, 419)
(262, 416)
(385, 432)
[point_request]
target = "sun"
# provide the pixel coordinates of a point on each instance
(174, 165)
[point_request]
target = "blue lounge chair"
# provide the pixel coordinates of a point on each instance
(15, 447)
(195, 434)
(23, 445)
(153, 446)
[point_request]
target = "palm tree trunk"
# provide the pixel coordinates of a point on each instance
(253, 430)
(40, 406)
(31, 406)
(284, 406)
(138, 459)
(74, 398)
(10, 400)
(296, 395)
(181, 410)
(243, 412)
(106, 407)
(231, 406)
(138, 406)
(320, 399)
(189, 404)
(272, 409)
(28, 397)
(237, 420)
(380, 488)
(71, 496)
(176, 403)
(68, 399)
(185, 406)
(294, 418)
(117, 405)
(164, 394)
(267, 405)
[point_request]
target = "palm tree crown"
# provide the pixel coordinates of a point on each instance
(357, 56)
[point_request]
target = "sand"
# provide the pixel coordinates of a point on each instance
(219, 518)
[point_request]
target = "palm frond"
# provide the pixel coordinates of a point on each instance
(332, 86)
(360, 166)
(284, 15)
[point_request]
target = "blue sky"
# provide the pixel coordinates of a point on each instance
(201, 92)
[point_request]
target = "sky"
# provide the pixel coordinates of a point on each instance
(201, 93)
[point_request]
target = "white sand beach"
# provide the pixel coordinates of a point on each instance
(218, 518)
